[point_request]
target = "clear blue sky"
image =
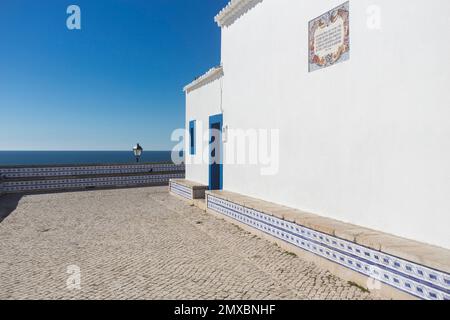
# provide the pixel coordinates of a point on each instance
(115, 82)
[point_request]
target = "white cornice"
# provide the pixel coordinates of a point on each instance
(209, 76)
(233, 10)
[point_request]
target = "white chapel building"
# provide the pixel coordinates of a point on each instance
(336, 109)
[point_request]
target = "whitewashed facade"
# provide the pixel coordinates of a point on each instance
(365, 141)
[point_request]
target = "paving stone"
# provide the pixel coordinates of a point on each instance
(145, 244)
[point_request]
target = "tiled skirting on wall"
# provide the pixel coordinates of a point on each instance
(412, 278)
(181, 190)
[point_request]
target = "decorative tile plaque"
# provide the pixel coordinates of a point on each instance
(329, 38)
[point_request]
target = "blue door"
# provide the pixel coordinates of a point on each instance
(215, 152)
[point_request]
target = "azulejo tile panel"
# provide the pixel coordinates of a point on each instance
(181, 190)
(412, 278)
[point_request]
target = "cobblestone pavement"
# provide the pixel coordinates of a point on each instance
(145, 244)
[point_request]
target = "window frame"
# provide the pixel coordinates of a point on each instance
(192, 129)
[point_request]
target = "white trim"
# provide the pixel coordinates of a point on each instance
(233, 10)
(209, 76)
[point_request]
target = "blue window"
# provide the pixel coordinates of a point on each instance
(192, 137)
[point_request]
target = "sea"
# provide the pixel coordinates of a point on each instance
(11, 158)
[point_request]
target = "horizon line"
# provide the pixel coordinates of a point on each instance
(85, 150)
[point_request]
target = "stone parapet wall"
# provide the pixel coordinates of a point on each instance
(60, 178)
(58, 171)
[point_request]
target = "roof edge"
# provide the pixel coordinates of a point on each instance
(233, 10)
(210, 75)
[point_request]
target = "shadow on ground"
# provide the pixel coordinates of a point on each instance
(8, 203)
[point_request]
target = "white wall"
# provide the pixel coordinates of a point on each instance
(366, 141)
(200, 104)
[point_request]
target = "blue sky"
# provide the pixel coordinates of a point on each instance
(115, 82)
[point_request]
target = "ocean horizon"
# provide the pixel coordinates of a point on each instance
(12, 158)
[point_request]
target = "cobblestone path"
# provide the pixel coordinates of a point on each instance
(145, 244)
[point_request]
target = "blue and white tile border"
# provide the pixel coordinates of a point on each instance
(79, 183)
(412, 278)
(38, 179)
(55, 171)
(2, 188)
(181, 190)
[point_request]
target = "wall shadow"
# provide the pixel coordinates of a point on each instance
(8, 203)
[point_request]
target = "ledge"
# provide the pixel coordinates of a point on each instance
(233, 10)
(209, 76)
(187, 189)
(190, 184)
(394, 258)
